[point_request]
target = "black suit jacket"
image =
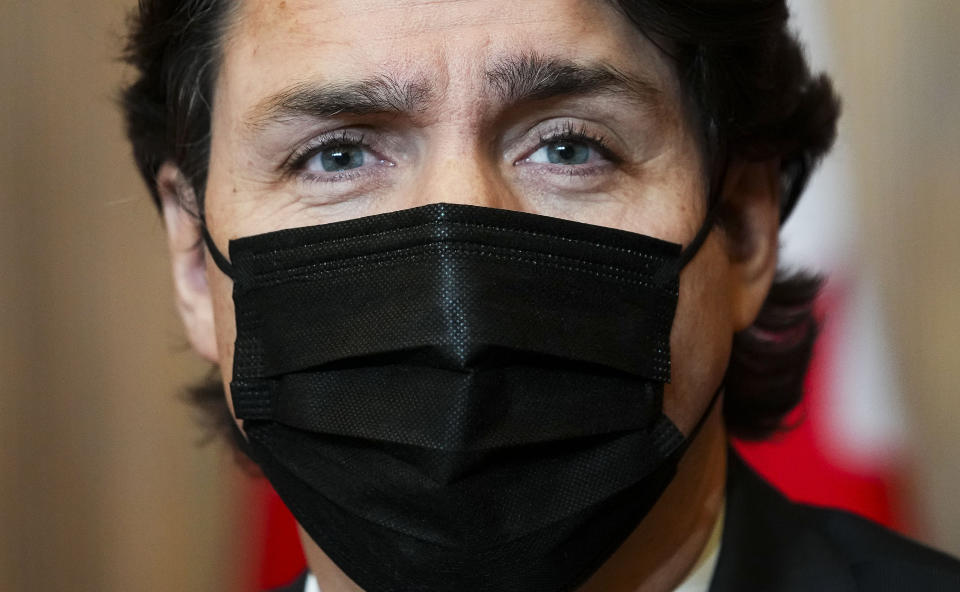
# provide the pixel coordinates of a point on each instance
(773, 545)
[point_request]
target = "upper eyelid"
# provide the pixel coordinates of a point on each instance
(300, 155)
(563, 134)
(567, 129)
(555, 131)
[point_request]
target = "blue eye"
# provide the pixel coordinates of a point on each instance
(566, 152)
(570, 147)
(337, 158)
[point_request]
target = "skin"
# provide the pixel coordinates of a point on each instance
(465, 144)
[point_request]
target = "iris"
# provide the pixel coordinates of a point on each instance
(567, 152)
(341, 158)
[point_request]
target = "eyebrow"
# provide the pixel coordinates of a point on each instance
(530, 77)
(513, 79)
(376, 95)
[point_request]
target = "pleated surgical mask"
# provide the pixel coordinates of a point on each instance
(454, 398)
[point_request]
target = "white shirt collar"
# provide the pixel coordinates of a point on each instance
(698, 580)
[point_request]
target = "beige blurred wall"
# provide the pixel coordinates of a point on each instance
(101, 486)
(899, 75)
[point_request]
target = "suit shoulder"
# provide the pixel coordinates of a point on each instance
(781, 546)
(879, 558)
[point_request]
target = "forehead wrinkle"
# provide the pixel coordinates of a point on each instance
(531, 76)
(377, 94)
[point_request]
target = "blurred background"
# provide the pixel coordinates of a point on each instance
(103, 482)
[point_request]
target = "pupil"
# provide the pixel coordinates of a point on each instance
(341, 158)
(568, 153)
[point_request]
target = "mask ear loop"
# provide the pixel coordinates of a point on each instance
(706, 414)
(225, 266)
(671, 270)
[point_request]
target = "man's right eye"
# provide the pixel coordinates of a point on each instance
(336, 159)
(340, 157)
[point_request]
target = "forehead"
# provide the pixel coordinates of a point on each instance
(273, 43)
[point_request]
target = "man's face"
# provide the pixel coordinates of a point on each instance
(327, 110)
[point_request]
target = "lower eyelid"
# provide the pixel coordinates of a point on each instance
(600, 159)
(345, 175)
(580, 170)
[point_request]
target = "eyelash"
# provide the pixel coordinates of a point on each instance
(567, 132)
(297, 161)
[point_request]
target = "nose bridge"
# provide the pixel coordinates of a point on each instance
(461, 164)
(466, 177)
(461, 167)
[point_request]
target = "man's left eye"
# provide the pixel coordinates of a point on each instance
(564, 152)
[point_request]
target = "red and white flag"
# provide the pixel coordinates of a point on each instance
(847, 449)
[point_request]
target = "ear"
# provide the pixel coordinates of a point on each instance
(194, 301)
(751, 222)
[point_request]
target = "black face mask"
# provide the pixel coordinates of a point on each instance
(459, 399)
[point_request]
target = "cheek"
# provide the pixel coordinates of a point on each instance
(701, 337)
(224, 322)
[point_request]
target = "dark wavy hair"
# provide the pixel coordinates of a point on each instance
(749, 94)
